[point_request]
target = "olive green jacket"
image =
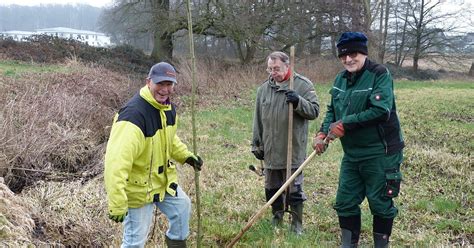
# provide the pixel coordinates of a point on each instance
(270, 126)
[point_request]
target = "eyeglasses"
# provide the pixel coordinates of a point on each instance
(351, 55)
(274, 69)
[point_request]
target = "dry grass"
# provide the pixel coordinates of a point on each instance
(58, 122)
(16, 223)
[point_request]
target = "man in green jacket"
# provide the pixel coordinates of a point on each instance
(270, 133)
(138, 170)
(362, 113)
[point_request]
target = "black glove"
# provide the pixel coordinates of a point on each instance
(258, 154)
(293, 97)
(196, 163)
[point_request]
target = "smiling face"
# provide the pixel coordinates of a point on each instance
(161, 91)
(353, 62)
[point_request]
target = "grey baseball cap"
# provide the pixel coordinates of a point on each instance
(162, 72)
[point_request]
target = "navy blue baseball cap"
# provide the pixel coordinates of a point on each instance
(351, 42)
(162, 72)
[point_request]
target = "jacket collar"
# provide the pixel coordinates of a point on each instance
(283, 85)
(145, 93)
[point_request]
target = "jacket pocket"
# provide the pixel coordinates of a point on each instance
(393, 179)
(358, 101)
(137, 181)
(339, 103)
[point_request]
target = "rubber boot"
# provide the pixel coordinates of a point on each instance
(277, 219)
(175, 243)
(346, 239)
(350, 231)
(277, 207)
(380, 240)
(382, 229)
(297, 219)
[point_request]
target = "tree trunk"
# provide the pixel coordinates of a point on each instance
(251, 50)
(400, 55)
(162, 46)
(380, 45)
(419, 32)
(162, 39)
(317, 40)
(385, 32)
(471, 71)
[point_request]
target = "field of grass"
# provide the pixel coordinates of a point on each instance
(436, 200)
(12, 68)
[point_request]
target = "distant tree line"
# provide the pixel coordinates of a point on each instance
(248, 29)
(29, 18)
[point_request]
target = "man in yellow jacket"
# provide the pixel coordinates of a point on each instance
(138, 170)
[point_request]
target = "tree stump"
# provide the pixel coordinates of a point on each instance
(471, 71)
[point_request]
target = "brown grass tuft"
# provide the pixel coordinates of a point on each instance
(16, 223)
(56, 122)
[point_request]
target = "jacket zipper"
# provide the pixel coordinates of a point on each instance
(151, 168)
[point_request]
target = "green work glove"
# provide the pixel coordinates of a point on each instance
(195, 162)
(118, 218)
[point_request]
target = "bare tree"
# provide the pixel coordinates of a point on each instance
(423, 32)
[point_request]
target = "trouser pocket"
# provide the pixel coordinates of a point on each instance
(393, 178)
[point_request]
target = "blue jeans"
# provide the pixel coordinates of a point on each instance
(137, 223)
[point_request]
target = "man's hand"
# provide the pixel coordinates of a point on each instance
(258, 154)
(118, 218)
(195, 161)
(336, 130)
(319, 145)
(293, 97)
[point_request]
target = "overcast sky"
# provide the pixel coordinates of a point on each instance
(96, 3)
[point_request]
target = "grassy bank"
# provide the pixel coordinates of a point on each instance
(57, 124)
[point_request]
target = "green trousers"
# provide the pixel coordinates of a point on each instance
(378, 179)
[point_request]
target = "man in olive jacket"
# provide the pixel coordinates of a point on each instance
(138, 170)
(362, 113)
(270, 132)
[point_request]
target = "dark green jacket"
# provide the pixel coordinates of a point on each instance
(365, 103)
(270, 127)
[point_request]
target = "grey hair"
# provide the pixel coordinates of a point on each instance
(279, 55)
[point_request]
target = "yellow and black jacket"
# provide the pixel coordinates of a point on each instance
(137, 160)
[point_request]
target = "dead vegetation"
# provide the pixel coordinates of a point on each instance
(16, 223)
(55, 123)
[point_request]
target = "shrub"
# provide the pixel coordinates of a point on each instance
(55, 122)
(51, 49)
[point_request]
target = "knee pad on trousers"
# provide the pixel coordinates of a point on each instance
(382, 225)
(277, 205)
(297, 196)
(353, 224)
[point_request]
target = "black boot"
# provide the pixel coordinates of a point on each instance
(346, 239)
(175, 243)
(350, 231)
(297, 218)
(382, 229)
(277, 207)
(380, 240)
